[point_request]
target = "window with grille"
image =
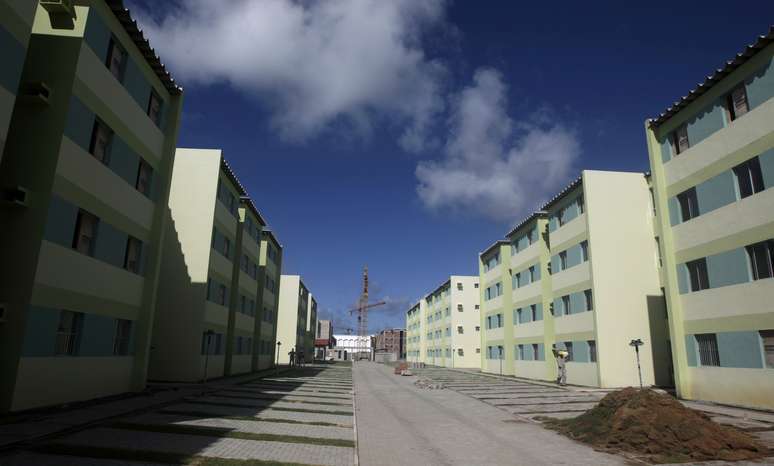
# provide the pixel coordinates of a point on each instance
(101, 137)
(584, 251)
(144, 176)
(592, 350)
(154, 108)
(459, 307)
(761, 259)
(767, 338)
(459, 329)
(689, 204)
(133, 255)
(533, 311)
(749, 178)
(68, 333)
(697, 272)
(708, 349)
(116, 61)
(521, 352)
(589, 300)
(85, 233)
(121, 338)
(566, 305)
(535, 352)
(459, 286)
(478, 328)
(563, 260)
(736, 103)
(222, 295)
(679, 140)
(532, 274)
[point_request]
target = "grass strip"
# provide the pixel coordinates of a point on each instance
(262, 393)
(148, 456)
(209, 431)
(237, 405)
(274, 387)
(242, 397)
(248, 418)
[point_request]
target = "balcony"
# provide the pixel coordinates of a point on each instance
(527, 292)
(574, 323)
(746, 299)
(526, 256)
(567, 232)
(570, 277)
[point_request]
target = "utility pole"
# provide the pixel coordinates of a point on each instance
(208, 334)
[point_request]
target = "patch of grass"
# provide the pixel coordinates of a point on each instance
(237, 405)
(279, 398)
(149, 456)
(248, 418)
(208, 431)
(247, 390)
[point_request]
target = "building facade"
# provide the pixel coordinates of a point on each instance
(443, 328)
(323, 339)
(712, 163)
(311, 329)
(352, 347)
(16, 17)
(557, 281)
(93, 139)
(392, 341)
(269, 271)
(294, 305)
(205, 322)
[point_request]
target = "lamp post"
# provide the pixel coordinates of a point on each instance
(636, 344)
(208, 337)
(279, 343)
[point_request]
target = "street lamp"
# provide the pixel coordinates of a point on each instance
(279, 343)
(636, 344)
(208, 337)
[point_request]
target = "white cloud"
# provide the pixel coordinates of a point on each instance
(316, 63)
(493, 165)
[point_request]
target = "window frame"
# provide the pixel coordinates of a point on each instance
(122, 335)
(98, 128)
(707, 349)
(68, 339)
(757, 253)
(730, 102)
(699, 281)
(144, 181)
(130, 241)
(113, 46)
(154, 96)
(748, 178)
(689, 204)
(83, 215)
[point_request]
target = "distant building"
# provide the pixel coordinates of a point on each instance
(392, 341)
(295, 306)
(269, 272)
(324, 341)
(349, 347)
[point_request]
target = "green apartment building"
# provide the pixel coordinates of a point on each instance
(209, 288)
(16, 18)
(712, 162)
(443, 328)
(294, 306)
(311, 327)
(581, 274)
(269, 271)
(86, 166)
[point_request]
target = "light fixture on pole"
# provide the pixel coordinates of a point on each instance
(636, 344)
(279, 343)
(208, 336)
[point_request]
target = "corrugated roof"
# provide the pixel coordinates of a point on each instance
(492, 246)
(731, 65)
(130, 25)
(531, 217)
(232, 176)
(575, 183)
(439, 287)
(270, 233)
(250, 205)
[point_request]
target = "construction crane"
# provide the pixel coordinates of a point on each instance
(362, 308)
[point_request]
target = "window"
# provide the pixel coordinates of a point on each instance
(121, 337)
(767, 337)
(761, 256)
(584, 245)
(85, 233)
(154, 108)
(561, 216)
(568, 347)
(566, 305)
(478, 328)
(499, 320)
(708, 349)
(563, 260)
(658, 252)
(227, 247)
(459, 286)
(689, 204)
(697, 272)
(133, 255)
(535, 352)
(116, 61)
(653, 201)
(475, 285)
(477, 306)
(459, 307)
(581, 205)
(67, 333)
(144, 176)
(243, 304)
(222, 295)
(532, 275)
(478, 350)
(519, 318)
(749, 178)
(533, 312)
(679, 140)
(101, 137)
(460, 352)
(592, 350)
(517, 277)
(736, 103)
(589, 300)
(488, 322)
(521, 352)
(500, 352)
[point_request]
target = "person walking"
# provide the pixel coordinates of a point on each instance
(561, 364)
(292, 356)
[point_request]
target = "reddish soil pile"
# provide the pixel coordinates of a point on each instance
(657, 427)
(400, 367)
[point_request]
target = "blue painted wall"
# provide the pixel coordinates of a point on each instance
(716, 192)
(760, 86)
(767, 168)
(728, 268)
(707, 122)
(60, 223)
(13, 54)
(40, 333)
(740, 349)
(97, 337)
(690, 350)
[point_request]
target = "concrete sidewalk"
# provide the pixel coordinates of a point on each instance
(399, 423)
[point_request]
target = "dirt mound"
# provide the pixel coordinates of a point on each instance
(657, 427)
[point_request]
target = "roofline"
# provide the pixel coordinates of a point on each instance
(270, 233)
(564, 192)
(129, 24)
(231, 175)
(437, 288)
(486, 251)
(532, 216)
(251, 206)
(740, 59)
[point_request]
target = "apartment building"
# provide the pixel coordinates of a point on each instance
(392, 341)
(580, 274)
(16, 17)
(294, 306)
(311, 328)
(323, 339)
(416, 344)
(353, 347)
(449, 324)
(205, 322)
(712, 162)
(88, 156)
(269, 271)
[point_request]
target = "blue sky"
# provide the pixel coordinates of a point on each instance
(408, 135)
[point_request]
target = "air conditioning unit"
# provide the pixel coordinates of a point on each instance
(59, 7)
(3, 308)
(16, 196)
(36, 92)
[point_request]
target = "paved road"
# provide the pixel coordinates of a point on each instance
(399, 423)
